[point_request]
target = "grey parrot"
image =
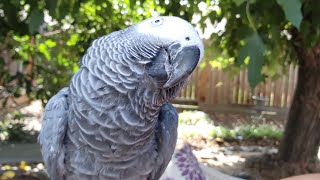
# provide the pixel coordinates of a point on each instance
(114, 120)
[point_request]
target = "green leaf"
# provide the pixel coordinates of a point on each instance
(292, 10)
(315, 14)
(73, 40)
(132, 3)
(50, 43)
(16, 3)
(63, 8)
(44, 50)
(11, 18)
(51, 6)
(239, 2)
(36, 19)
(254, 49)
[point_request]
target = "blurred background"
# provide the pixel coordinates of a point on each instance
(251, 109)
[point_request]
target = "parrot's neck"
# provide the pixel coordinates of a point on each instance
(146, 103)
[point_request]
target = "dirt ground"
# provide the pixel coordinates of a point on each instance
(255, 159)
(244, 159)
(247, 159)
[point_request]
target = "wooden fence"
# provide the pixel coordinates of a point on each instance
(215, 87)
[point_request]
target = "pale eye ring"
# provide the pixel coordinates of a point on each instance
(157, 21)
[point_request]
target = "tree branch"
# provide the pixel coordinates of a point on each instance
(51, 33)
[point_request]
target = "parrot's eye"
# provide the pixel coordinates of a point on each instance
(157, 21)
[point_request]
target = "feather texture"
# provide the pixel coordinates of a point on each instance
(166, 136)
(113, 121)
(52, 134)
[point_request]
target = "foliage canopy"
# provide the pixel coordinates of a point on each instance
(47, 38)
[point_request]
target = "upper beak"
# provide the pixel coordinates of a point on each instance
(183, 60)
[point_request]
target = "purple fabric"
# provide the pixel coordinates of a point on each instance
(188, 164)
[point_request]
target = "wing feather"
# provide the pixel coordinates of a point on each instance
(166, 134)
(52, 134)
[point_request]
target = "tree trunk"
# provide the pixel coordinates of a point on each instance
(301, 139)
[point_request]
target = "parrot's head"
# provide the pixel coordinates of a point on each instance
(181, 49)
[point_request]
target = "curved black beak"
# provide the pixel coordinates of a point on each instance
(183, 61)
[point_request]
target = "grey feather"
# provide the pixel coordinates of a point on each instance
(52, 134)
(166, 135)
(114, 122)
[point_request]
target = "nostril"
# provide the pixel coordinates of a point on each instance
(187, 38)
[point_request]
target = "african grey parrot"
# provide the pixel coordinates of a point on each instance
(114, 120)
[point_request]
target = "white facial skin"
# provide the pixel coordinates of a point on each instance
(171, 29)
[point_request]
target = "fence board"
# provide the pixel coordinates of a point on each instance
(215, 87)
